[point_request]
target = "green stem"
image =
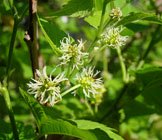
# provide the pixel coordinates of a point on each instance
(89, 107)
(123, 68)
(17, 20)
(6, 96)
(105, 65)
(96, 108)
(105, 62)
(71, 89)
(13, 37)
(100, 26)
(12, 42)
(69, 70)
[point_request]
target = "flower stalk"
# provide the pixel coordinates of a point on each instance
(89, 107)
(100, 26)
(71, 89)
(123, 68)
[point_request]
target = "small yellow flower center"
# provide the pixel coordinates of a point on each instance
(86, 81)
(113, 39)
(116, 12)
(72, 50)
(48, 84)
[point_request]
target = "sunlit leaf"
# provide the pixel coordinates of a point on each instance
(52, 34)
(98, 4)
(94, 20)
(132, 17)
(85, 124)
(54, 125)
(77, 8)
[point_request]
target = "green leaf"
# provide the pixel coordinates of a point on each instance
(53, 125)
(75, 8)
(52, 34)
(151, 85)
(148, 74)
(137, 27)
(127, 8)
(131, 109)
(59, 126)
(98, 4)
(139, 16)
(85, 124)
(153, 95)
(94, 20)
(35, 107)
(153, 19)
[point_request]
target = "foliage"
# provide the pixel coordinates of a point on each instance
(96, 70)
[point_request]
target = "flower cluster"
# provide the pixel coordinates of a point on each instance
(72, 53)
(90, 85)
(45, 88)
(48, 90)
(112, 38)
(116, 13)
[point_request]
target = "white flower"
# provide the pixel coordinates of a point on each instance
(112, 38)
(72, 53)
(46, 89)
(116, 13)
(90, 85)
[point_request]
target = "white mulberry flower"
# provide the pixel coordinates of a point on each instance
(116, 13)
(112, 38)
(90, 85)
(72, 53)
(46, 89)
